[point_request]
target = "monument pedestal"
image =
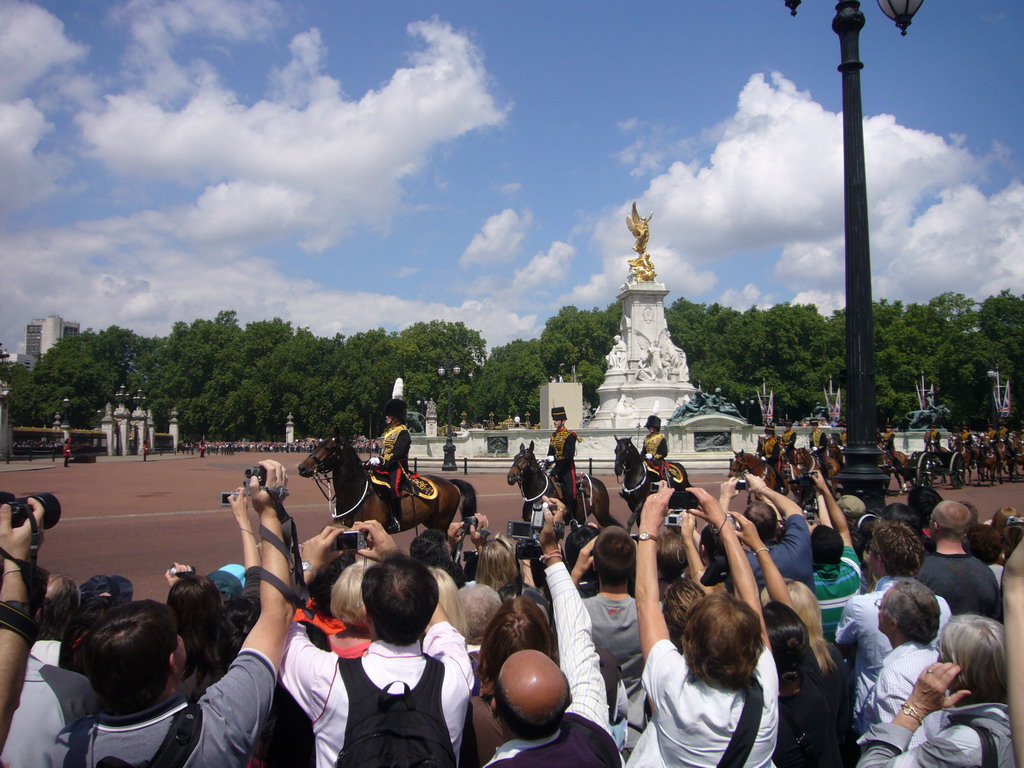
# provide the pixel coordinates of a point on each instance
(647, 374)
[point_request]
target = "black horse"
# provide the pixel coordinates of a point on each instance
(635, 479)
(534, 483)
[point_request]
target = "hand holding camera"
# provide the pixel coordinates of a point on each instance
(269, 487)
(747, 533)
(379, 543)
(755, 483)
(476, 527)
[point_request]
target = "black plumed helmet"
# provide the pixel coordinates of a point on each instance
(653, 421)
(395, 409)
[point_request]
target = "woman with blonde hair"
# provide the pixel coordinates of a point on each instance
(347, 606)
(448, 596)
(496, 564)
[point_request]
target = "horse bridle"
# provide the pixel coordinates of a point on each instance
(324, 479)
(619, 463)
(522, 471)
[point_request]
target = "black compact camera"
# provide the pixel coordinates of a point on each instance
(225, 497)
(350, 540)
(741, 484)
(257, 471)
(803, 481)
(682, 500)
(21, 511)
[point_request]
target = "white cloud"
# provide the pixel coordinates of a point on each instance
(744, 298)
(32, 45)
(28, 175)
(158, 26)
(772, 183)
(826, 302)
(546, 269)
(499, 240)
(340, 163)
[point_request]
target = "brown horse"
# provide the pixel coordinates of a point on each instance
(900, 467)
(335, 465)
(746, 463)
(636, 480)
(534, 483)
(788, 470)
(990, 462)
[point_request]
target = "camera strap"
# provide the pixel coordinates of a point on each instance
(18, 622)
(295, 593)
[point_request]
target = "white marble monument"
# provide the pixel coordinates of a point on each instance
(647, 373)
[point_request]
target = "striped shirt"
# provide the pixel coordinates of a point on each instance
(834, 585)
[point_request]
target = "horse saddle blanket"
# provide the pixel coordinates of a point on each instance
(417, 486)
(673, 470)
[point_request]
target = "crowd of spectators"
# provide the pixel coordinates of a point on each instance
(747, 635)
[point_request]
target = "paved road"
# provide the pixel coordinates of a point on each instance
(135, 518)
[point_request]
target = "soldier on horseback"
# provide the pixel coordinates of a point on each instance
(770, 450)
(394, 459)
(967, 441)
(933, 440)
(887, 442)
(562, 458)
(819, 447)
(655, 448)
(788, 442)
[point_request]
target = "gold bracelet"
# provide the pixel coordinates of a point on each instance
(910, 710)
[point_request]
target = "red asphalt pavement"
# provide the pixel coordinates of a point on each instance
(136, 518)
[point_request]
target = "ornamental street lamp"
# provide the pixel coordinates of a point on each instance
(861, 475)
(447, 370)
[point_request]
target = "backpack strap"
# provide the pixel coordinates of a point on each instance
(602, 742)
(800, 737)
(989, 754)
(743, 738)
(177, 746)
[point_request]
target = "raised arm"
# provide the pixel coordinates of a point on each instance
(577, 655)
(17, 629)
(269, 633)
(744, 583)
(1013, 623)
(781, 502)
(835, 518)
(240, 509)
(773, 580)
(650, 619)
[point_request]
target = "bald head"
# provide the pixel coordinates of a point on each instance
(950, 520)
(531, 695)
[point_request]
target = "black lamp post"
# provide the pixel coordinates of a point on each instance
(861, 475)
(65, 425)
(449, 369)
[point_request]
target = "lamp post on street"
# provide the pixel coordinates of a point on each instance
(447, 370)
(861, 475)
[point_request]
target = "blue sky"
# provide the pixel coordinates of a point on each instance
(354, 165)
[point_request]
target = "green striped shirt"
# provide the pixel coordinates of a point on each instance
(834, 586)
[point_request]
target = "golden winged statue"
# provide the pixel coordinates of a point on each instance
(642, 265)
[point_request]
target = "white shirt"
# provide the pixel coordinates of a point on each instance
(900, 670)
(693, 721)
(311, 676)
(859, 624)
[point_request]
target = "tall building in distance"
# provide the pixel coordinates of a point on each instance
(40, 335)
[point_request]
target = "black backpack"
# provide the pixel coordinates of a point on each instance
(398, 730)
(177, 746)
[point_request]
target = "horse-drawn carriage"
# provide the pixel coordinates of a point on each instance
(935, 467)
